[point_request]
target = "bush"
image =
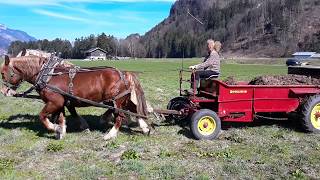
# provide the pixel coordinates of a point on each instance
(298, 174)
(6, 164)
(130, 154)
(55, 146)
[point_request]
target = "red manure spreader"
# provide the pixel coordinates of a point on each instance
(216, 102)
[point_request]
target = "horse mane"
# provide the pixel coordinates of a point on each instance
(27, 65)
(43, 54)
(33, 52)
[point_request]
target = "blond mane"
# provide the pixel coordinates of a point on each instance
(27, 65)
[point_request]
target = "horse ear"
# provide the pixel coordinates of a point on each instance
(24, 52)
(6, 60)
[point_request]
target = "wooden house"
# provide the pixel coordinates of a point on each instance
(96, 54)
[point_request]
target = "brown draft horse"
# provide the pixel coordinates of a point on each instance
(99, 86)
(64, 64)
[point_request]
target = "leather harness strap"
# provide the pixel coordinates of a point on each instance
(44, 75)
(72, 74)
(117, 87)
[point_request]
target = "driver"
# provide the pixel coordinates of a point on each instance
(210, 65)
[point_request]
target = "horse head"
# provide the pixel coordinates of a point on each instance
(11, 78)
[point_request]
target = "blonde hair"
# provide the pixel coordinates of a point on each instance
(217, 46)
(210, 43)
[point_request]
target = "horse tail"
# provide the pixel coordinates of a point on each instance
(137, 94)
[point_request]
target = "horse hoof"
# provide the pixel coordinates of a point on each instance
(87, 130)
(108, 137)
(60, 132)
(59, 136)
(146, 131)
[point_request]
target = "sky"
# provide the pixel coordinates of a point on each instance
(70, 19)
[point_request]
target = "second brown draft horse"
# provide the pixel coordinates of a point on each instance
(108, 85)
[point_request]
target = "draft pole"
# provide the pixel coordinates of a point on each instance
(182, 59)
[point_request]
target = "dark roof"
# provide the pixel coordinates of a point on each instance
(94, 49)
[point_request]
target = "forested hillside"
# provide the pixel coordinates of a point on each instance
(8, 35)
(246, 27)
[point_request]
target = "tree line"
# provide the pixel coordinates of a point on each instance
(243, 26)
(129, 47)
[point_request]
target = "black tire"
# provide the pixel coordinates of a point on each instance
(178, 103)
(308, 108)
(198, 118)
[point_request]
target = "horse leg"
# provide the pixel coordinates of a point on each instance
(83, 123)
(142, 123)
(55, 117)
(115, 129)
(144, 126)
(48, 109)
(107, 116)
(62, 128)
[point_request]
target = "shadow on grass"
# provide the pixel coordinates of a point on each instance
(32, 122)
(184, 124)
(25, 121)
(291, 124)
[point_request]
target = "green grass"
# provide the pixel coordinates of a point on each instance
(254, 151)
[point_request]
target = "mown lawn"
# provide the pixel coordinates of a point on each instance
(268, 150)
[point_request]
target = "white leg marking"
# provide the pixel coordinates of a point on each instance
(51, 126)
(61, 130)
(143, 125)
(112, 133)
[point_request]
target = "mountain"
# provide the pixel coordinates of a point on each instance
(9, 35)
(251, 28)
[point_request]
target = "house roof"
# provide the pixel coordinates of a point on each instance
(304, 53)
(94, 49)
(316, 56)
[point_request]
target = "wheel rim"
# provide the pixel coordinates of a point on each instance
(206, 125)
(179, 106)
(315, 116)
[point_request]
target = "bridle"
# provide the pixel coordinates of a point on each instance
(10, 75)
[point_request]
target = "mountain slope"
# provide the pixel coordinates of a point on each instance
(9, 35)
(270, 28)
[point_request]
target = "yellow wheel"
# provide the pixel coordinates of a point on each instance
(311, 114)
(205, 124)
(315, 116)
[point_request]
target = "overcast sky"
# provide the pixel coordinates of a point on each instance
(68, 19)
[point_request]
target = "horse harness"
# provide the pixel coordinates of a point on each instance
(47, 71)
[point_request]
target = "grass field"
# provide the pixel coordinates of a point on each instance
(269, 150)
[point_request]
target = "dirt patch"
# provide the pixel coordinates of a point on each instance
(285, 80)
(231, 80)
(278, 80)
